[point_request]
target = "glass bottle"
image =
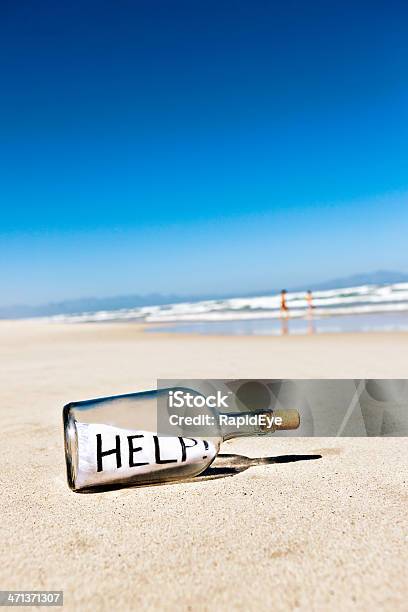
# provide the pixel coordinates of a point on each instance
(114, 441)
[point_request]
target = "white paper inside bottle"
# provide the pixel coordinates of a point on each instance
(97, 468)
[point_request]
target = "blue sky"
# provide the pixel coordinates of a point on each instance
(198, 147)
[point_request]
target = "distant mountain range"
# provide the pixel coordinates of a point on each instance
(380, 277)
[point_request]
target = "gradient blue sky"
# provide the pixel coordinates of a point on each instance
(199, 146)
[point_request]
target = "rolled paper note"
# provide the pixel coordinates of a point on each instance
(107, 455)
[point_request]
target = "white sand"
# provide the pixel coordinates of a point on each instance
(326, 534)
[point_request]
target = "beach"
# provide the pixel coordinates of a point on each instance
(307, 534)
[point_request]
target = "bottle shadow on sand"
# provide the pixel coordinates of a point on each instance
(223, 466)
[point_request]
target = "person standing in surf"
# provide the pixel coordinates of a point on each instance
(309, 316)
(283, 305)
(309, 300)
(284, 313)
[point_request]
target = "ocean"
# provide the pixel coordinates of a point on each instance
(364, 308)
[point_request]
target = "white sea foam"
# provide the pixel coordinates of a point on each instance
(364, 299)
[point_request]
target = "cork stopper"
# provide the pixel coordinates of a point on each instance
(290, 419)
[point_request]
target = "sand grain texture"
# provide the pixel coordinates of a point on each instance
(324, 534)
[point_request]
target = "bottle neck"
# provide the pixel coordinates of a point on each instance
(261, 423)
